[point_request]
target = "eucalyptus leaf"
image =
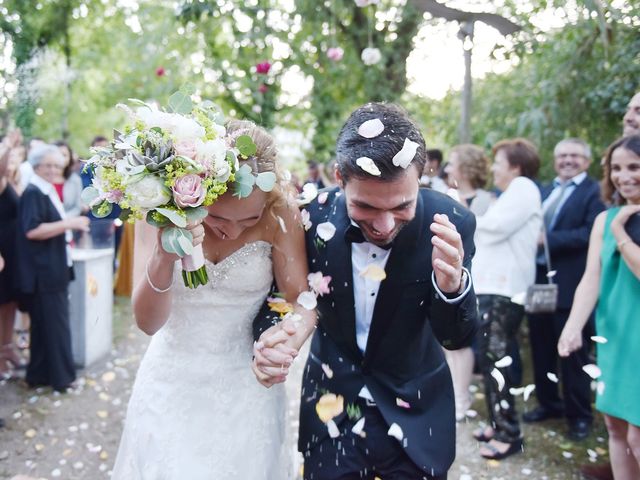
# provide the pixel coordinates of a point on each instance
(245, 146)
(174, 216)
(156, 223)
(188, 88)
(180, 103)
(194, 214)
(266, 181)
(89, 194)
(184, 239)
(170, 241)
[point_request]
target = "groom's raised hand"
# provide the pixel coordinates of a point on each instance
(447, 255)
(272, 357)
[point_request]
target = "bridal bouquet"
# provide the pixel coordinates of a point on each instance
(166, 167)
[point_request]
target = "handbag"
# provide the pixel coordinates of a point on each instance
(543, 297)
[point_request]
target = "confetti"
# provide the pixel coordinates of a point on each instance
(369, 166)
(396, 432)
(592, 370)
(322, 198)
(305, 218)
(405, 156)
(528, 390)
(359, 427)
(371, 128)
(108, 377)
(30, 433)
(329, 406)
(327, 370)
(599, 339)
(326, 231)
(567, 454)
(499, 378)
(401, 403)
(553, 377)
(307, 300)
(504, 362)
(373, 272)
(102, 413)
(283, 227)
(334, 432)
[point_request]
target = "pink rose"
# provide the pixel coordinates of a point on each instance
(318, 283)
(263, 68)
(188, 191)
(335, 54)
(114, 196)
(160, 72)
(186, 148)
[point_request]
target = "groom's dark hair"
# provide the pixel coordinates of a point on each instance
(381, 149)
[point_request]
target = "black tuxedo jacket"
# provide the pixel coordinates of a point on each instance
(568, 239)
(404, 358)
(41, 264)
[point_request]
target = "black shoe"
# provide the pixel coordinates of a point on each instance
(579, 430)
(540, 414)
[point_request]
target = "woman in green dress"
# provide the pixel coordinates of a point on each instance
(612, 279)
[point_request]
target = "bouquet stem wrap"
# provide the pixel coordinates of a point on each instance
(194, 272)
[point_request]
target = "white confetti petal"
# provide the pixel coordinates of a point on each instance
(495, 373)
(401, 403)
(552, 273)
(307, 300)
(326, 231)
(553, 377)
(358, 427)
(306, 220)
(526, 471)
(600, 388)
(592, 370)
(371, 128)
(373, 272)
(504, 404)
(334, 432)
(528, 390)
(322, 198)
(519, 298)
(369, 166)
(567, 454)
(599, 339)
(327, 370)
(56, 472)
(404, 157)
(504, 362)
(396, 432)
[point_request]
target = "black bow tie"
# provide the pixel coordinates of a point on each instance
(353, 234)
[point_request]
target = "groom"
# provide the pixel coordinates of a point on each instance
(378, 342)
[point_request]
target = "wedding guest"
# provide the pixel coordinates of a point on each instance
(506, 241)
(9, 355)
(571, 204)
(69, 184)
(467, 170)
(26, 170)
(611, 284)
(431, 174)
(44, 267)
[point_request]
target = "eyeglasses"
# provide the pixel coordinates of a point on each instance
(570, 155)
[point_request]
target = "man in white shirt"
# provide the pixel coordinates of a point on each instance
(570, 206)
(400, 289)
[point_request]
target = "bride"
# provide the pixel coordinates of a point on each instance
(196, 410)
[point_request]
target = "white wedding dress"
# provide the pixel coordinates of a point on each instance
(196, 411)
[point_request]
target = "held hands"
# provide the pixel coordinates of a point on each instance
(274, 353)
(447, 254)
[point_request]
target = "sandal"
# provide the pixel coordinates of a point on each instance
(481, 435)
(9, 354)
(515, 447)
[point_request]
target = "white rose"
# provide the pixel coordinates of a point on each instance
(371, 56)
(186, 128)
(222, 170)
(210, 153)
(148, 192)
(152, 117)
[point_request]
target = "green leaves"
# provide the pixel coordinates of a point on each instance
(181, 103)
(177, 240)
(245, 145)
(174, 216)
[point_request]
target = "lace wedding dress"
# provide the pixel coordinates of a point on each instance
(196, 411)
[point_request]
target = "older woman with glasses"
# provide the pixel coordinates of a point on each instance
(44, 267)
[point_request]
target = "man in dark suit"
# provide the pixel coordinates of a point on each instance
(378, 343)
(570, 206)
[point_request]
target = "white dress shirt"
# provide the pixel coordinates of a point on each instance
(557, 189)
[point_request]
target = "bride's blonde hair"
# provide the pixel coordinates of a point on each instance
(265, 158)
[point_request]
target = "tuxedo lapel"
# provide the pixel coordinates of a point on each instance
(398, 270)
(337, 263)
(572, 202)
